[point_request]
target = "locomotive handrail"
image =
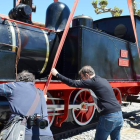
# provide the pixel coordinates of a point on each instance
(27, 24)
(7, 45)
(13, 47)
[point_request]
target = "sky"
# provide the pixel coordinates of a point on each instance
(84, 7)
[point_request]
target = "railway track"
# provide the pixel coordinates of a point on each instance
(69, 129)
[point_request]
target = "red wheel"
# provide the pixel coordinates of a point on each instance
(118, 94)
(84, 115)
(50, 102)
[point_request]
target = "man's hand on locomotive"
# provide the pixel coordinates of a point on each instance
(54, 72)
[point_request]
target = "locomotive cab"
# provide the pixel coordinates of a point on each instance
(120, 27)
(101, 47)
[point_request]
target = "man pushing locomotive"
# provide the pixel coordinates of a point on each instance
(111, 119)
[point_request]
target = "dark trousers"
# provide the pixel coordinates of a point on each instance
(30, 137)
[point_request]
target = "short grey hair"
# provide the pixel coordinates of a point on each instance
(87, 69)
(25, 76)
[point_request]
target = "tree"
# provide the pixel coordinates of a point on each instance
(136, 11)
(134, 6)
(102, 9)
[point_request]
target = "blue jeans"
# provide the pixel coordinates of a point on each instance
(109, 124)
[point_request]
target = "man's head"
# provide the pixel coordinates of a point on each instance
(25, 76)
(86, 72)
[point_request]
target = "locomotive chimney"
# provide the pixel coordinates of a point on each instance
(56, 16)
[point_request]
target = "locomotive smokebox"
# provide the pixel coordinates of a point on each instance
(56, 16)
(82, 20)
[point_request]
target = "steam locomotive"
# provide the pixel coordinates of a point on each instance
(108, 45)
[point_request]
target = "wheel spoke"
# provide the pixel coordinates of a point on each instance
(77, 114)
(81, 117)
(80, 97)
(90, 99)
(85, 117)
(77, 101)
(84, 95)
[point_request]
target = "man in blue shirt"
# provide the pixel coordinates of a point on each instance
(21, 95)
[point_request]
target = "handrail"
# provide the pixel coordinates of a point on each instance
(27, 24)
(8, 45)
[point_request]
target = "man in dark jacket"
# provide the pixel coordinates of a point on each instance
(111, 120)
(21, 95)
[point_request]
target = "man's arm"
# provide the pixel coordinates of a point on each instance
(70, 82)
(6, 89)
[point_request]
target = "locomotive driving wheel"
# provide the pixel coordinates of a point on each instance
(118, 94)
(50, 102)
(83, 115)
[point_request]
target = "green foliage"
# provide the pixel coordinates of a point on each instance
(116, 8)
(119, 11)
(96, 10)
(103, 8)
(117, 14)
(94, 2)
(135, 9)
(138, 12)
(103, 1)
